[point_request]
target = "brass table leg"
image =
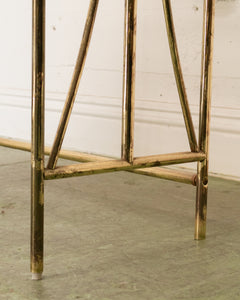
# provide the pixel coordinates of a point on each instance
(128, 162)
(204, 119)
(37, 149)
(129, 69)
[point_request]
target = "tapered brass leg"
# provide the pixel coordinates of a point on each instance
(129, 79)
(204, 122)
(37, 150)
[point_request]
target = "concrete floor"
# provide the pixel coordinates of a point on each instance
(118, 236)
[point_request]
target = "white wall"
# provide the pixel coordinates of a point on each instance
(96, 120)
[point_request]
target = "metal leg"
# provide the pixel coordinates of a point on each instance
(37, 156)
(129, 79)
(204, 122)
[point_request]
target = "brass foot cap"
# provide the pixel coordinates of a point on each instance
(36, 276)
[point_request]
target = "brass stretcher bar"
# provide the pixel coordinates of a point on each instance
(94, 164)
(121, 165)
(159, 172)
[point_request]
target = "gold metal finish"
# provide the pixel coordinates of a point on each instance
(86, 169)
(169, 174)
(95, 164)
(15, 144)
(37, 156)
(163, 173)
(168, 159)
(119, 165)
(204, 121)
(66, 154)
(179, 76)
(129, 79)
(74, 83)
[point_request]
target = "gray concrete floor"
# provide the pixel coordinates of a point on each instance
(118, 236)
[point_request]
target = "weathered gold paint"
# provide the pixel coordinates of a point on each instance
(37, 147)
(77, 74)
(129, 69)
(204, 120)
(178, 75)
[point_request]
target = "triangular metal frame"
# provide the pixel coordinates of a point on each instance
(128, 82)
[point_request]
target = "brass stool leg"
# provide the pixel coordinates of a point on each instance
(204, 121)
(37, 152)
(130, 26)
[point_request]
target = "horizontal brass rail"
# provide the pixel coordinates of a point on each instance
(168, 159)
(163, 173)
(168, 174)
(65, 154)
(119, 165)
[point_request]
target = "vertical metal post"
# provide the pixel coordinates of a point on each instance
(129, 79)
(204, 121)
(37, 152)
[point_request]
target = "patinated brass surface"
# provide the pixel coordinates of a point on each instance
(129, 79)
(164, 173)
(37, 156)
(96, 164)
(204, 119)
(74, 83)
(120, 165)
(178, 75)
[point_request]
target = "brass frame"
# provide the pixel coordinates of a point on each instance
(37, 149)
(96, 164)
